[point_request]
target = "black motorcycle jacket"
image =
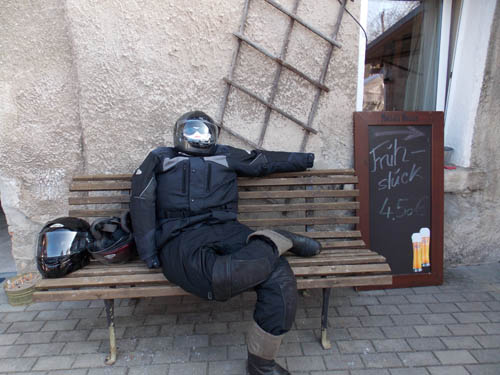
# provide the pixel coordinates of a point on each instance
(172, 191)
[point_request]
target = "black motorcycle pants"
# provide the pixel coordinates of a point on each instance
(214, 261)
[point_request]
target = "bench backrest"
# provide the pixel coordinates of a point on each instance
(321, 203)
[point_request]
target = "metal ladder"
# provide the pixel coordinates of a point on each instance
(281, 63)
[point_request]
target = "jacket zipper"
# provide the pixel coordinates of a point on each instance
(184, 176)
(209, 177)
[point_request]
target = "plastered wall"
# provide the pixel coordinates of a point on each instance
(91, 86)
(472, 218)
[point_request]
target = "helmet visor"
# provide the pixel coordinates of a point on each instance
(197, 131)
(57, 243)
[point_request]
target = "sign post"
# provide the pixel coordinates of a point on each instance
(399, 161)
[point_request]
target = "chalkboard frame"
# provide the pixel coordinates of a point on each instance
(362, 123)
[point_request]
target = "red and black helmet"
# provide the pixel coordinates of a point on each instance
(112, 240)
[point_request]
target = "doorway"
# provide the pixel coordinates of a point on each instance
(7, 264)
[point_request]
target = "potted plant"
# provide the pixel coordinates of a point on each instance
(19, 289)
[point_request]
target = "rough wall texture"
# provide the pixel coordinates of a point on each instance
(40, 142)
(472, 220)
(92, 86)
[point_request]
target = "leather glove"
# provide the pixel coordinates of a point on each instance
(153, 262)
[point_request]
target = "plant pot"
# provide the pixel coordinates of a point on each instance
(19, 289)
(448, 151)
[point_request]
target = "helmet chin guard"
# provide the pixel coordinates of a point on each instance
(195, 133)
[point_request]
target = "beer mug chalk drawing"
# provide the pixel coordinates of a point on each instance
(421, 244)
(416, 239)
(426, 240)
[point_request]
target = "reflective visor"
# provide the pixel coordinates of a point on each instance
(196, 130)
(57, 243)
(193, 126)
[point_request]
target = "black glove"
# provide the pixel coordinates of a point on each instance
(153, 261)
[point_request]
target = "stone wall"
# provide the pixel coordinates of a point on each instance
(41, 133)
(472, 217)
(90, 86)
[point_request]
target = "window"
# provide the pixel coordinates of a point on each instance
(402, 55)
(427, 55)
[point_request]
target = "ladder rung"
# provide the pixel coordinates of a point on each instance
(273, 107)
(280, 61)
(305, 24)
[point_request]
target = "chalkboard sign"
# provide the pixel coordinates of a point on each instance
(399, 161)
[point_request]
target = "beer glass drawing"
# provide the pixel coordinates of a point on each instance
(426, 240)
(416, 239)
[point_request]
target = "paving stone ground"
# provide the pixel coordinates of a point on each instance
(453, 329)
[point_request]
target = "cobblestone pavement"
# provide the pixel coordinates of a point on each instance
(452, 329)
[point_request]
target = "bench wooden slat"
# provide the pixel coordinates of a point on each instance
(74, 201)
(108, 293)
(298, 207)
(104, 177)
(132, 263)
(284, 194)
(346, 252)
(300, 221)
(337, 260)
(298, 181)
(314, 172)
(96, 213)
(104, 183)
(332, 234)
(342, 251)
(78, 282)
(112, 271)
(345, 257)
(337, 282)
(341, 269)
(337, 244)
(99, 186)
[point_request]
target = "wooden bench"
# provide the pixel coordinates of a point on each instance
(321, 204)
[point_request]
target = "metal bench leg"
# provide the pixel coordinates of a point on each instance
(110, 315)
(325, 341)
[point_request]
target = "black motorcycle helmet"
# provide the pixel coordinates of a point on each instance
(112, 240)
(62, 246)
(195, 133)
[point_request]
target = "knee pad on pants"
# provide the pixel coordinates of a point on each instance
(232, 276)
(277, 300)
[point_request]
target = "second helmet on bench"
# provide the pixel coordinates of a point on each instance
(112, 240)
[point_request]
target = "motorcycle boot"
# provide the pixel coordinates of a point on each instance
(302, 246)
(262, 349)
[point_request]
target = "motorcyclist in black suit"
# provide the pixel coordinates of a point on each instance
(183, 207)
